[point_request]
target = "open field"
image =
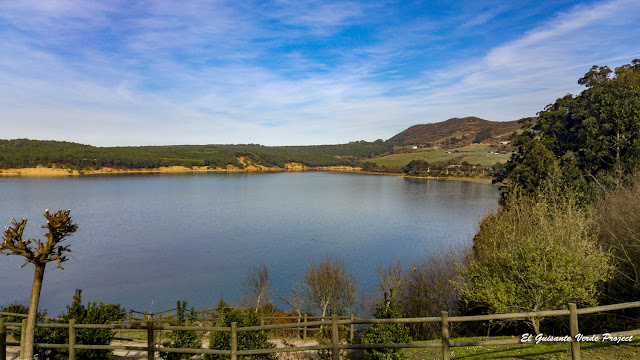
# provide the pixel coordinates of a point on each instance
(474, 154)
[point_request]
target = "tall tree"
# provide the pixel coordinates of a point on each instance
(597, 132)
(59, 226)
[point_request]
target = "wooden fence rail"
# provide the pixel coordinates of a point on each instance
(336, 344)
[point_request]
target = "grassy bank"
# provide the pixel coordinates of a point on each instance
(543, 351)
(473, 154)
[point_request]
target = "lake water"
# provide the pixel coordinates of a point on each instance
(146, 241)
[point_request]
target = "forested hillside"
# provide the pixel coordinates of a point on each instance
(23, 153)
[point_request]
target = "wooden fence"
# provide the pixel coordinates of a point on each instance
(336, 344)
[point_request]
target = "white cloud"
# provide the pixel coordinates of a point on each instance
(205, 72)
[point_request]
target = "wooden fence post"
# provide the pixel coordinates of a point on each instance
(3, 339)
(234, 340)
(23, 334)
(298, 328)
(351, 331)
(573, 329)
(72, 339)
(445, 335)
(150, 341)
(335, 337)
(262, 323)
(304, 332)
(212, 333)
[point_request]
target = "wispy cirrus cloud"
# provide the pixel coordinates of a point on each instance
(281, 72)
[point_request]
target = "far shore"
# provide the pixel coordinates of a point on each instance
(42, 171)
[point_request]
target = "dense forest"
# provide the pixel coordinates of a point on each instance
(23, 153)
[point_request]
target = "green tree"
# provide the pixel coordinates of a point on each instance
(415, 167)
(612, 121)
(534, 254)
(386, 333)
(482, 135)
(183, 339)
(538, 166)
(599, 129)
(59, 226)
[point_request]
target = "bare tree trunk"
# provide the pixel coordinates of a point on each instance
(324, 313)
(536, 325)
(33, 311)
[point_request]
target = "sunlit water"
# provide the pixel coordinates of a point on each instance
(145, 241)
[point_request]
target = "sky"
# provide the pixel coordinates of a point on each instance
(127, 72)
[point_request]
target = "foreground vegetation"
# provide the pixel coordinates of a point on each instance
(543, 351)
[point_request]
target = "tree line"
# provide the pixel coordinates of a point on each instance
(23, 153)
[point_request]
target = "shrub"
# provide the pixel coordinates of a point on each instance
(91, 314)
(247, 340)
(386, 333)
(428, 289)
(184, 339)
(20, 309)
(535, 254)
(619, 220)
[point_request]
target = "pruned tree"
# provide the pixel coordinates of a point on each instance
(330, 287)
(59, 226)
(256, 287)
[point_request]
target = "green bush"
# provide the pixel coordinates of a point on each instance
(19, 309)
(247, 340)
(91, 314)
(386, 333)
(535, 254)
(185, 339)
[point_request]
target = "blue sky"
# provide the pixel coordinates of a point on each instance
(125, 72)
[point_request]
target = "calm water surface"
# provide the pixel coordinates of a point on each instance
(145, 241)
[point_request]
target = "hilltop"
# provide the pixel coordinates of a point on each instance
(465, 130)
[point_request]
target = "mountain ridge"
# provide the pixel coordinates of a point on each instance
(462, 128)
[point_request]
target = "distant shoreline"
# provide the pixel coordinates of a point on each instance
(42, 171)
